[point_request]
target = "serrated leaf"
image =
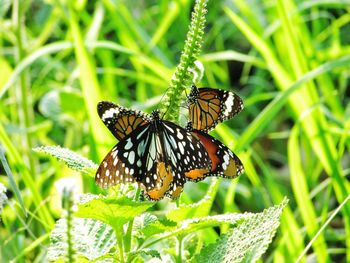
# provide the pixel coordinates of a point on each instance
(246, 242)
(91, 239)
(199, 209)
(111, 210)
(72, 159)
(148, 225)
(192, 225)
(144, 253)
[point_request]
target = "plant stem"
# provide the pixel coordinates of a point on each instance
(128, 234)
(179, 250)
(67, 204)
(119, 234)
(24, 106)
(182, 76)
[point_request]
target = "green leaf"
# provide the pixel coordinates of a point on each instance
(192, 225)
(147, 225)
(199, 209)
(143, 254)
(111, 210)
(11, 180)
(3, 197)
(73, 160)
(248, 240)
(5, 6)
(91, 239)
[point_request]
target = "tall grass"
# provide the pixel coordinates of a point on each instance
(289, 60)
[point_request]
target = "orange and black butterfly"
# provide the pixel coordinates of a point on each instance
(208, 107)
(224, 162)
(157, 154)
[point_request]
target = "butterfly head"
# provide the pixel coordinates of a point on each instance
(155, 115)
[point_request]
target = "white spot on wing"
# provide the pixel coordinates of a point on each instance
(131, 157)
(229, 104)
(181, 148)
(128, 144)
(109, 113)
(179, 134)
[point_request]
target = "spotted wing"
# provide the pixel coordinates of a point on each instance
(186, 155)
(119, 120)
(208, 107)
(112, 171)
(136, 158)
(142, 157)
(224, 162)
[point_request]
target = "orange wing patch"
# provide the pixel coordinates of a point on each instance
(176, 193)
(231, 170)
(211, 148)
(126, 124)
(164, 179)
(196, 174)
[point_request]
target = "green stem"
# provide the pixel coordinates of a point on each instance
(67, 204)
(179, 250)
(24, 107)
(119, 234)
(182, 76)
(128, 235)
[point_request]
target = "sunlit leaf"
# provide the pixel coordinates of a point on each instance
(246, 242)
(111, 210)
(72, 159)
(91, 239)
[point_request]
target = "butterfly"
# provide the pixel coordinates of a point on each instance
(157, 154)
(208, 107)
(224, 162)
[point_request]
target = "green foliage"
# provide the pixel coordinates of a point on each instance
(288, 60)
(111, 210)
(71, 159)
(91, 239)
(3, 197)
(12, 182)
(183, 76)
(246, 242)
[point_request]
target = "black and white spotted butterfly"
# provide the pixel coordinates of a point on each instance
(157, 154)
(208, 107)
(224, 162)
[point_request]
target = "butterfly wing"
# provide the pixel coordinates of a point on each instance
(119, 120)
(208, 107)
(112, 171)
(187, 157)
(136, 158)
(224, 162)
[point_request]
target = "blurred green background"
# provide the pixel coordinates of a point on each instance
(289, 60)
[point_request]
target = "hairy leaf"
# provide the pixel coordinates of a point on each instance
(147, 225)
(73, 160)
(199, 209)
(115, 211)
(91, 239)
(246, 242)
(143, 254)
